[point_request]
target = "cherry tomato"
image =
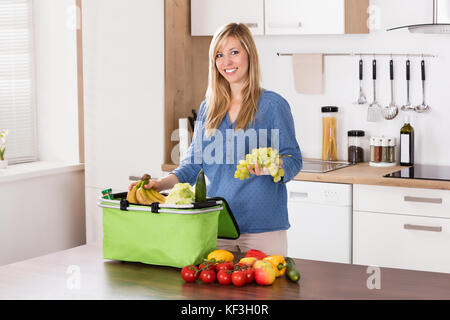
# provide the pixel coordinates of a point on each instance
(224, 276)
(250, 275)
(206, 266)
(190, 273)
(239, 278)
(224, 266)
(208, 276)
(240, 266)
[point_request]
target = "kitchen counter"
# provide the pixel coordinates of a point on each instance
(82, 273)
(361, 173)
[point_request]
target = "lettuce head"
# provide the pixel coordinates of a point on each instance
(181, 193)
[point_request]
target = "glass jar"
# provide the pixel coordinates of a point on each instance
(355, 146)
(391, 150)
(329, 133)
(377, 150)
(384, 149)
(372, 149)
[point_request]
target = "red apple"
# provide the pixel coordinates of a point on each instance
(264, 273)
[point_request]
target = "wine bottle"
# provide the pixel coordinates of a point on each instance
(407, 144)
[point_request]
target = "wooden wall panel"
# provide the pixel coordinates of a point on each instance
(356, 16)
(186, 69)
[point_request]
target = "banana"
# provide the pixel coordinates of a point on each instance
(142, 199)
(150, 195)
(158, 196)
(131, 196)
(139, 194)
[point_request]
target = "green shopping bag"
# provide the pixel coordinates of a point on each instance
(165, 235)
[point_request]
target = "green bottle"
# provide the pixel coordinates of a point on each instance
(407, 143)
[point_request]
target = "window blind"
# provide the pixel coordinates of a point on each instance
(17, 107)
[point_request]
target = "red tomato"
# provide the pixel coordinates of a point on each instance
(240, 266)
(224, 276)
(250, 275)
(190, 273)
(224, 266)
(206, 266)
(239, 278)
(208, 276)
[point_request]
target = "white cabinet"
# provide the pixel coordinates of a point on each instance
(283, 17)
(208, 15)
(124, 97)
(123, 92)
(401, 241)
(320, 216)
(406, 228)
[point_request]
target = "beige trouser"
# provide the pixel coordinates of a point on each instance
(274, 242)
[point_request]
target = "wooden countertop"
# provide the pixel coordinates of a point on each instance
(52, 277)
(361, 173)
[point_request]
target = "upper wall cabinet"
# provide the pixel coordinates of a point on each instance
(281, 17)
(305, 17)
(208, 15)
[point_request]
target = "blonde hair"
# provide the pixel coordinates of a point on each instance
(218, 94)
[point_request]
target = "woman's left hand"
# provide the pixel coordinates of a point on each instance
(263, 172)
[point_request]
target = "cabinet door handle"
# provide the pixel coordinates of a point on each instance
(420, 199)
(252, 25)
(298, 195)
(274, 25)
(422, 228)
(134, 178)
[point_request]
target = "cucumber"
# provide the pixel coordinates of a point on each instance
(291, 271)
(200, 187)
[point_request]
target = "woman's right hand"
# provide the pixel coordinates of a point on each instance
(151, 184)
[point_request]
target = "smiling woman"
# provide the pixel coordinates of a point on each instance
(237, 116)
(234, 77)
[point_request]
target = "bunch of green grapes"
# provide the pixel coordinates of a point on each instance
(266, 158)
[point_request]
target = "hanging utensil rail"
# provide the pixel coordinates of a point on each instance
(356, 54)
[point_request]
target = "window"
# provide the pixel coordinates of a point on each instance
(17, 106)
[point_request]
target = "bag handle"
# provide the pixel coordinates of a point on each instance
(196, 205)
(124, 205)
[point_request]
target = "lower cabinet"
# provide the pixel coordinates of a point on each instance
(414, 235)
(401, 241)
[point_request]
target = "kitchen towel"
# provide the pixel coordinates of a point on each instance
(308, 72)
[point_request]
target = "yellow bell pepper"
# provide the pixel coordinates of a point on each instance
(221, 255)
(278, 264)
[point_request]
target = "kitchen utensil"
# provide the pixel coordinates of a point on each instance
(362, 97)
(407, 106)
(391, 111)
(422, 107)
(191, 122)
(373, 111)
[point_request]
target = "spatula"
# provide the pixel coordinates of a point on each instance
(374, 109)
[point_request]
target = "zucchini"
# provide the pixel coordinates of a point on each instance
(291, 270)
(200, 187)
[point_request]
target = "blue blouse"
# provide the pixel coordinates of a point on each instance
(257, 203)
